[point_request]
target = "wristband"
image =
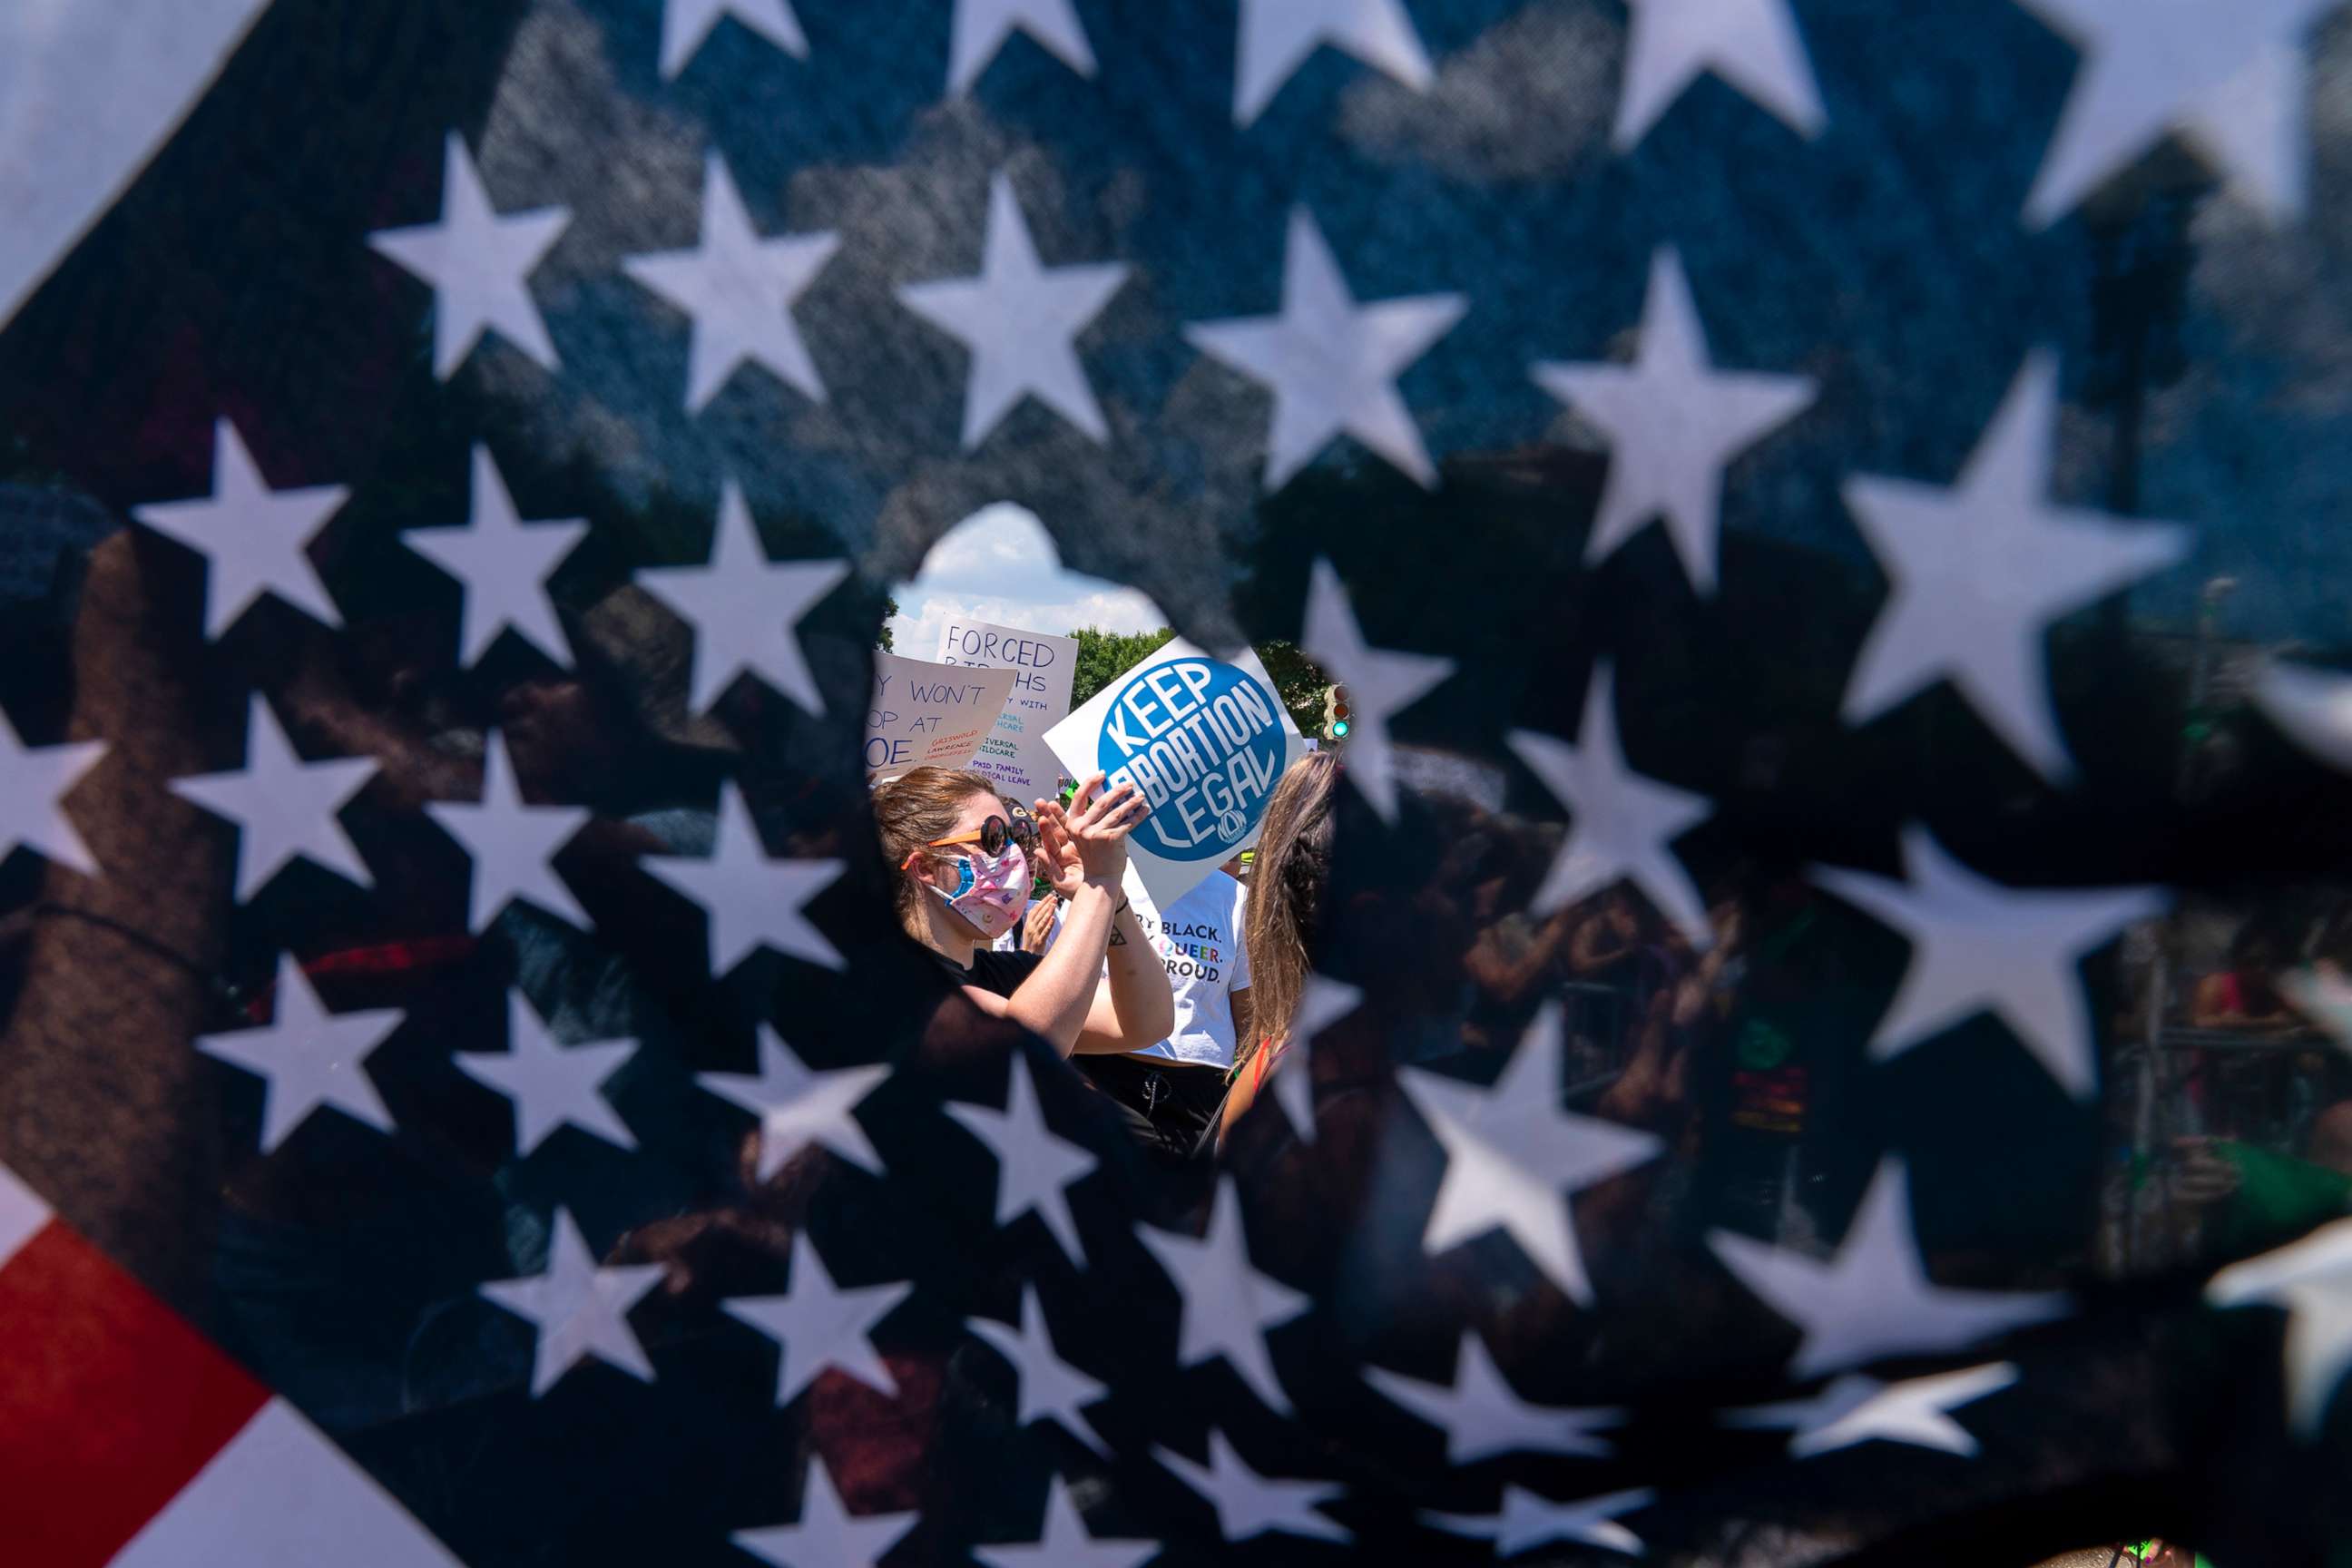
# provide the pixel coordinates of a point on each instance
(137, 938)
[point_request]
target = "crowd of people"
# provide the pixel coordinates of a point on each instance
(2232, 1121)
(1179, 1016)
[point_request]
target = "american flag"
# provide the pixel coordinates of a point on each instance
(1833, 519)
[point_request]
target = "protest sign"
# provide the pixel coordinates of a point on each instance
(929, 715)
(1015, 755)
(1204, 738)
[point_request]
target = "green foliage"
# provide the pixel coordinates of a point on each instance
(1103, 656)
(1298, 682)
(887, 641)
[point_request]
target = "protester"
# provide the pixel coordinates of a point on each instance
(1037, 926)
(2245, 995)
(1177, 1085)
(1292, 867)
(1515, 959)
(2255, 1197)
(1022, 826)
(962, 880)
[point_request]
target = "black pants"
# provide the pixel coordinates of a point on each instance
(1168, 1104)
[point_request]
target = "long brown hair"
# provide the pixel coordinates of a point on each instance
(1287, 874)
(910, 811)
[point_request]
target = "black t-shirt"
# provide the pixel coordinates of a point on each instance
(1001, 973)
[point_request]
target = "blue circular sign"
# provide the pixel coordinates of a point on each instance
(1203, 742)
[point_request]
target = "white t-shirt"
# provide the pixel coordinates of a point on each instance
(1200, 939)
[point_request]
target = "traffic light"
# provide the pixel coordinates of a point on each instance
(1335, 713)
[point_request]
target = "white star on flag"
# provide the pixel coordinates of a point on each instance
(798, 1106)
(23, 1214)
(1514, 1158)
(753, 899)
(1021, 322)
(1621, 823)
(2322, 997)
(1051, 1389)
(307, 1057)
(1228, 1305)
(1326, 1003)
(1873, 1299)
(1249, 1504)
(983, 26)
(280, 1495)
(2232, 78)
(551, 1084)
(2313, 707)
(1482, 1416)
(1979, 946)
(1529, 1520)
(1858, 1409)
(1332, 364)
(816, 1325)
(504, 564)
(1277, 36)
(1753, 45)
(34, 783)
(479, 264)
(512, 845)
(687, 25)
(739, 289)
(282, 805)
(744, 607)
(254, 540)
(93, 98)
(825, 1536)
(1674, 423)
(1976, 574)
(578, 1309)
(1033, 1165)
(1065, 1544)
(2311, 1279)
(1380, 683)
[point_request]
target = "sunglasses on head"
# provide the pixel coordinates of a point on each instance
(991, 837)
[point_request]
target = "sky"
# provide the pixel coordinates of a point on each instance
(999, 564)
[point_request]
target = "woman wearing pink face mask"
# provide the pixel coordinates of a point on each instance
(964, 879)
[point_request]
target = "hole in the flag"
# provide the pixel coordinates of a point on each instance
(990, 645)
(1008, 687)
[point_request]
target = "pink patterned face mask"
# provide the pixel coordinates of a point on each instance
(991, 890)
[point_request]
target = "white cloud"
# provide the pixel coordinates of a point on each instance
(1000, 564)
(995, 544)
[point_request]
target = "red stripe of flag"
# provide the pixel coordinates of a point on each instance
(110, 1403)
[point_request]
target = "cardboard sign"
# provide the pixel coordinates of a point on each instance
(929, 715)
(1015, 755)
(1206, 740)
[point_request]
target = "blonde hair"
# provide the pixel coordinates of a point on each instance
(1286, 879)
(910, 811)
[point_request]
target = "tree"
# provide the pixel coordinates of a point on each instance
(1104, 656)
(1297, 680)
(887, 641)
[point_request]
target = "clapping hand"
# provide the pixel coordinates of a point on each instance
(1086, 840)
(1038, 926)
